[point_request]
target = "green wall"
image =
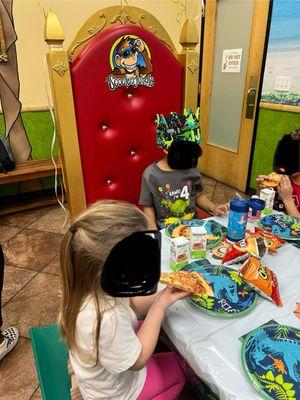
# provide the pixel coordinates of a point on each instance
(272, 125)
(39, 128)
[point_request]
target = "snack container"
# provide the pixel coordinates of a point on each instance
(198, 242)
(268, 195)
(179, 253)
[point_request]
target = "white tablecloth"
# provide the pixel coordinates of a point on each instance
(211, 345)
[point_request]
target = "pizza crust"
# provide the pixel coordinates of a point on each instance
(181, 230)
(188, 281)
(272, 180)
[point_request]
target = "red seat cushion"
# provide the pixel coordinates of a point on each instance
(113, 160)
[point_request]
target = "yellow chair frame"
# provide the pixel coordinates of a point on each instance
(59, 62)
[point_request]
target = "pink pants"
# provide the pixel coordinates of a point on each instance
(165, 378)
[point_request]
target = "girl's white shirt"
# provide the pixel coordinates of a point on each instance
(119, 348)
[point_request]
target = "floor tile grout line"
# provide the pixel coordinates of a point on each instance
(42, 216)
(37, 273)
(12, 298)
(22, 229)
(50, 273)
(38, 230)
(23, 268)
(27, 226)
(35, 390)
(34, 276)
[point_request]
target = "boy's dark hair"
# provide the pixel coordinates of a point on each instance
(183, 155)
(287, 155)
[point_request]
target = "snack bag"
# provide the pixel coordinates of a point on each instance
(257, 247)
(261, 279)
(241, 250)
(234, 256)
(272, 240)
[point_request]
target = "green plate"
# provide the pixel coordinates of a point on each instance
(233, 298)
(271, 361)
(212, 227)
(282, 225)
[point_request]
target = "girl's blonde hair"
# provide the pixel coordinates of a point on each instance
(84, 249)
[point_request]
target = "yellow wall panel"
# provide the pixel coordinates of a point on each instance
(31, 49)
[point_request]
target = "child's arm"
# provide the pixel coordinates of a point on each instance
(149, 331)
(142, 304)
(203, 202)
(285, 191)
(150, 213)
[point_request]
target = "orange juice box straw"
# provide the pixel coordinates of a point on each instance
(198, 242)
(179, 252)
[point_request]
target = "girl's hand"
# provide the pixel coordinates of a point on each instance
(285, 189)
(221, 209)
(259, 180)
(169, 296)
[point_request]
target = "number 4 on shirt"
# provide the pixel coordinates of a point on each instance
(185, 193)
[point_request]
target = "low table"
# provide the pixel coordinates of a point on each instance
(211, 345)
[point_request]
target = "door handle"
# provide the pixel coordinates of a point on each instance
(251, 96)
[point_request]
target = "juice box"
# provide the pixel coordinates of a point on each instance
(198, 242)
(268, 195)
(179, 252)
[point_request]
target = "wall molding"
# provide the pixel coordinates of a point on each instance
(279, 107)
(32, 108)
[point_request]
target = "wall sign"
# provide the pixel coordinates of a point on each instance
(231, 61)
(130, 63)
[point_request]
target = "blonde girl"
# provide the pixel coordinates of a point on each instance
(112, 360)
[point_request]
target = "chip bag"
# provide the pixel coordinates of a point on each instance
(261, 279)
(272, 240)
(240, 251)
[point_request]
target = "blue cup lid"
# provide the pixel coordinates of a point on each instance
(256, 205)
(239, 205)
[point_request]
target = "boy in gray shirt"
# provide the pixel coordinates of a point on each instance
(172, 187)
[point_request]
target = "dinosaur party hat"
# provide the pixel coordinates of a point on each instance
(175, 126)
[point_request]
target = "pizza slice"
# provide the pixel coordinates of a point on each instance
(272, 180)
(212, 238)
(181, 230)
(189, 281)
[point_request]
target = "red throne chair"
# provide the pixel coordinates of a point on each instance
(119, 72)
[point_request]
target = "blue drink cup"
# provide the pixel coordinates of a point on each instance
(238, 216)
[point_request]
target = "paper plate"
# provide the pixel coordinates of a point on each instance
(212, 228)
(271, 360)
(233, 297)
(282, 225)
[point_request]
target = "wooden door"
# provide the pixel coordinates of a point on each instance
(234, 39)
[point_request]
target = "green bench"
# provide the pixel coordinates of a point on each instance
(51, 355)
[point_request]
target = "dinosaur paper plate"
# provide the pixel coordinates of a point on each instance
(233, 297)
(213, 228)
(282, 225)
(271, 360)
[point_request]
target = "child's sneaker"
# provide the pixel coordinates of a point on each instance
(11, 337)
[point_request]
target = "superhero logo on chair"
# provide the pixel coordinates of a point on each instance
(130, 62)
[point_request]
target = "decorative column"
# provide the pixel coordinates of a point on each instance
(62, 94)
(189, 58)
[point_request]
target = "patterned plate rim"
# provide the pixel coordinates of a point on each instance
(280, 236)
(209, 246)
(252, 381)
(227, 315)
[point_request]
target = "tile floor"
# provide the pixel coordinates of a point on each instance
(31, 293)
